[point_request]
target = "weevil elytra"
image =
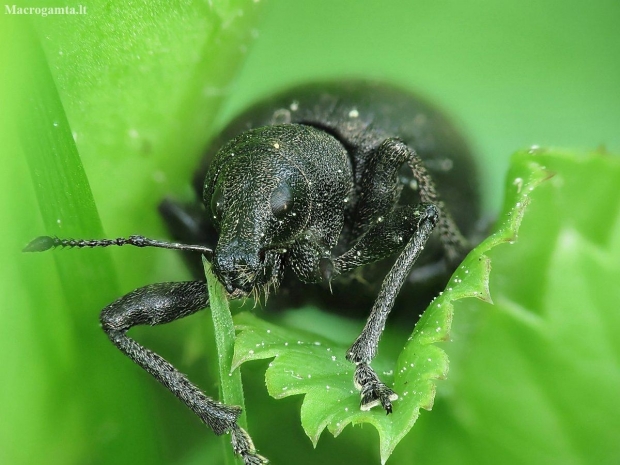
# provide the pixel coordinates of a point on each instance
(323, 180)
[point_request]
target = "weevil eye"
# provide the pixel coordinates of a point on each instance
(217, 204)
(281, 200)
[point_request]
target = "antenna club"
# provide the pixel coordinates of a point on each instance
(41, 244)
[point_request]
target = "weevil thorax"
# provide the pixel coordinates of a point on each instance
(269, 188)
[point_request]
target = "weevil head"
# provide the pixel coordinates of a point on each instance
(257, 194)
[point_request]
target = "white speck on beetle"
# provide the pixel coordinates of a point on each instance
(294, 105)
(250, 352)
(353, 113)
(333, 358)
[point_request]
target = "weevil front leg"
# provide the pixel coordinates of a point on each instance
(380, 192)
(421, 219)
(162, 303)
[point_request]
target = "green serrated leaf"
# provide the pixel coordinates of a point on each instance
(540, 367)
(306, 363)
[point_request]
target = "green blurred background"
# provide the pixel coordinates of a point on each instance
(142, 87)
(512, 73)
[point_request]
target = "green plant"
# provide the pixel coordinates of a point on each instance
(532, 379)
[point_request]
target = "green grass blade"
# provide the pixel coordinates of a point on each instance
(231, 388)
(80, 85)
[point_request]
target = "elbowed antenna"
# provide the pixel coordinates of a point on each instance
(43, 243)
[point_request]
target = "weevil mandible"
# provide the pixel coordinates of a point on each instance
(322, 179)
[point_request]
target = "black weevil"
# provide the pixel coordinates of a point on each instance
(322, 179)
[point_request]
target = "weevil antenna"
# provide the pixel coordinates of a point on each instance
(42, 243)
